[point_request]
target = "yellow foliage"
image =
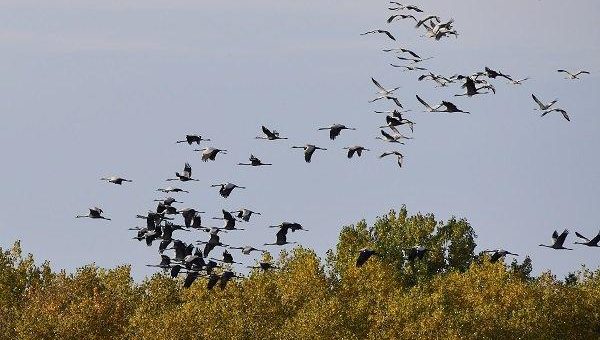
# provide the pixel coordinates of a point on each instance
(447, 295)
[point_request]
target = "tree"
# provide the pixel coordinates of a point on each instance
(450, 294)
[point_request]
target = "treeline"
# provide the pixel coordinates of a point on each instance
(452, 293)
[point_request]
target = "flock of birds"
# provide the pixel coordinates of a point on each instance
(195, 260)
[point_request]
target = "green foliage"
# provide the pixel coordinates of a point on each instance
(446, 295)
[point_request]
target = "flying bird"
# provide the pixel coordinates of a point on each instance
(213, 242)
(497, 254)
(245, 214)
(472, 89)
(226, 188)
(440, 80)
(213, 279)
(171, 189)
(400, 16)
(165, 262)
(416, 253)
(190, 278)
(210, 153)
(380, 31)
(494, 74)
(398, 154)
(558, 240)
(247, 250)
(394, 112)
(335, 130)
(575, 75)
(185, 176)
(227, 258)
(590, 243)
(414, 60)
(270, 135)
(189, 214)
(403, 50)
(440, 29)
(95, 213)
(404, 7)
(226, 276)
(190, 139)
(229, 220)
(518, 81)
(263, 266)
(168, 201)
(363, 255)
(410, 68)
(450, 107)
(355, 149)
(115, 180)
(254, 161)
(394, 121)
(309, 149)
(293, 226)
(281, 238)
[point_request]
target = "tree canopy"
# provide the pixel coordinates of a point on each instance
(452, 293)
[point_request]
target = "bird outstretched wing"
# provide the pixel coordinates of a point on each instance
(565, 114)
(387, 135)
(561, 238)
(267, 132)
(423, 102)
(583, 237)
(540, 104)
(377, 84)
(387, 33)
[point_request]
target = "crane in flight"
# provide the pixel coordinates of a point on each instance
(225, 189)
(335, 130)
(309, 150)
(185, 176)
(269, 134)
(210, 153)
(380, 31)
(254, 161)
(94, 213)
(363, 255)
(356, 149)
(590, 243)
(398, 154)
(573, 75)
(558, 240)
(190, 139)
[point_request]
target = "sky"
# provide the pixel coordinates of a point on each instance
(92, 89)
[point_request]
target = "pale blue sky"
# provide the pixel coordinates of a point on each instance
(91, 89)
